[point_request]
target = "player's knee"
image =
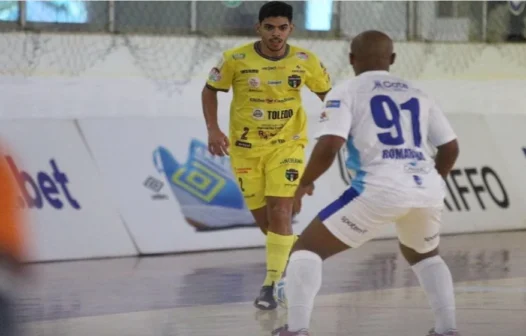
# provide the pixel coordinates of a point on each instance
(416, 255)
(316, 238)
(300, 248)
(305, 254)
(280, 211)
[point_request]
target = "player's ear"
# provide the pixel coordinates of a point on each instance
(257, 26)
(291, 27)
(393, 57)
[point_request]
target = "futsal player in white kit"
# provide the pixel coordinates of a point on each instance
(385, 122)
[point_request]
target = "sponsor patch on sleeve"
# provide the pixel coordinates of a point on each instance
(332, 103)
(214, 75)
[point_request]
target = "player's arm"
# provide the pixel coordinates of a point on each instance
(335, 122)
(219, 79)
(209, 102)
(318, 80)
(442, 136)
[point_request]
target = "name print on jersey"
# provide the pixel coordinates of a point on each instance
(402, 154)
(387, 85)
(249, 71)
(283, 114)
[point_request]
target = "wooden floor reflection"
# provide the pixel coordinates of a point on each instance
(370, 291)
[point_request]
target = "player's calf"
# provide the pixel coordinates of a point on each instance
(261, 218)
(304, 274)
(278, 244)
(435, 278)
(280, 215)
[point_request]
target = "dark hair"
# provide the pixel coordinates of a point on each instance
(275, 9)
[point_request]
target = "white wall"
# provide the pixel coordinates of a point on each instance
(121, 101)
(85, 76)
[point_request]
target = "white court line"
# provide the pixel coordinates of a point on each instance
(490, 289)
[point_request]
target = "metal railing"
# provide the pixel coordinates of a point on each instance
(452, 21)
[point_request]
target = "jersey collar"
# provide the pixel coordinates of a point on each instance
(257, 48)
(375, 72)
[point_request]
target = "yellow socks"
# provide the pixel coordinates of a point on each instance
(278, 250)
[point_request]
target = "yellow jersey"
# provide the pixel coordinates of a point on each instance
(266, 110)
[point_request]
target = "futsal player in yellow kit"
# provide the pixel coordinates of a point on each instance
(268, 128)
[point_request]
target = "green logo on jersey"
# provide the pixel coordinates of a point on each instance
(294, 81)
(238, 56)
(292, 175)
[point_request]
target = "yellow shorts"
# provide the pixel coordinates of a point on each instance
(276, 173)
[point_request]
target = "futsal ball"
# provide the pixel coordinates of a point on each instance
(279, 293)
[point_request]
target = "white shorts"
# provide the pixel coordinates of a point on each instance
(355, 220)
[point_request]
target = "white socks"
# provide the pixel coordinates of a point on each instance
(303, 281)
(435, 278)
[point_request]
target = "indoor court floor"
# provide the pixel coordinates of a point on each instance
(369, 291)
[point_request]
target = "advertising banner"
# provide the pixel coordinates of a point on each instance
(509, 134)
(482, 194)
(70, 215)
(173, 195)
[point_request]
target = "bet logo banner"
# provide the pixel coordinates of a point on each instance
(45, 188)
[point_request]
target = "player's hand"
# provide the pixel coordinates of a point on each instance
(300, 192)
(217, 142)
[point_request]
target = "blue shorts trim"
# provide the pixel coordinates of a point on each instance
(338, 204)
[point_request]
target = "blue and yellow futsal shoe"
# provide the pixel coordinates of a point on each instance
(205, 188)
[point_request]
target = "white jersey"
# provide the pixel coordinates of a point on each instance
(388, 124)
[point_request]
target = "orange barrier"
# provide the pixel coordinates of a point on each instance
(12, 244)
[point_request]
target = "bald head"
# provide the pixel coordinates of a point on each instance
(371, 50)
